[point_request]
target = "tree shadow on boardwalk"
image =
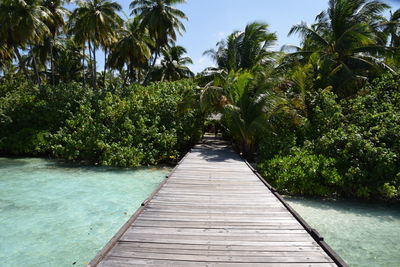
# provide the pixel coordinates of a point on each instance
(214, 149)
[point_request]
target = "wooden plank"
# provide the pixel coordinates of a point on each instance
(125, 247)
(213, 211)
(220, 258)
(128, 262)
(134, 236)
(201, 231)
(221, 248)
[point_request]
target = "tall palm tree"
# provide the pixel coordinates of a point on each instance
(67, 60)
(6, 55)
(95, 21)
(56, 23)
(162, 20)
(345, 42)
(244, 50)
(173, 65)
(132, 49)
(391, 28)
(23, 23)
(226, 54)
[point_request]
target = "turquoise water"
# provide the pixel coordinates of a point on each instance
(363, 234)
(56, 214)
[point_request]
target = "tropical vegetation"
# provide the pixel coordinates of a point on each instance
(320, 119)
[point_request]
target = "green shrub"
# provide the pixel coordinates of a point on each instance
(302, 173)
(128, 127)
(28, 114)
(357, 139)
(147, 125)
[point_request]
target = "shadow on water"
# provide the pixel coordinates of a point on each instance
(46, 163)
(361, 208)
(12, 162)
(87, 166)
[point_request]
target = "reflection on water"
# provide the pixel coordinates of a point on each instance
(58, 214)
(364, 234)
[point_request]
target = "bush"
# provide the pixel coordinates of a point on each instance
(302, 173)
(356, 141)
(367, 143)
(149, 125)
(28, 114)
(132, 126)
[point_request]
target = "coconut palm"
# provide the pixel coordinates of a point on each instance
(22, 23)
(346, 42)
(56, 23)
(173, 65)
(393, 28)
(132, 49)
(95, 21)
(244, 50)
(162, 20)
(67, 60)
(6, 55)
(245, 108)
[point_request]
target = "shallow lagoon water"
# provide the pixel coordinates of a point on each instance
(363, 234)
(57, 214)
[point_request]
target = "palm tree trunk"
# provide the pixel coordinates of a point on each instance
(94, 67)
(105, 66)
(35, 67)
(126, 76)
(131, 73)
(52, 62)
(152, 67)
(83, 64)
(20, 63)
(90, 59)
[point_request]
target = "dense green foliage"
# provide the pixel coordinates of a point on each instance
(322, 119)
(132, 126)
(348, 147)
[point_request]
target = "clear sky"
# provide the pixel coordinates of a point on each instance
(212, 20)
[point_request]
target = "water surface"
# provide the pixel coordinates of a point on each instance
(57, 214)
(363, 234)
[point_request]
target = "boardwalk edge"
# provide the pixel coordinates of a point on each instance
(113, 241)
(314, 233)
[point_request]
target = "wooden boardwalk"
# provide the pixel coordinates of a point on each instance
(213, 210)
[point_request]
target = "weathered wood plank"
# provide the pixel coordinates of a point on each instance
(127, 262)
(220, 258)
(214, 211)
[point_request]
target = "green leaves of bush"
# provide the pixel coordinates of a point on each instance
(303, 173)
(139, 126)
(347, 148)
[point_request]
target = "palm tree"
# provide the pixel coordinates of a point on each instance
(244, 50)
(6, 55)
(67, 60)
(22, 22)
(393, 28)
(173, 65)
(345, 41)
(55, 23)
(132, 49)
(95, 21)
(162, 20)
(245, 108)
